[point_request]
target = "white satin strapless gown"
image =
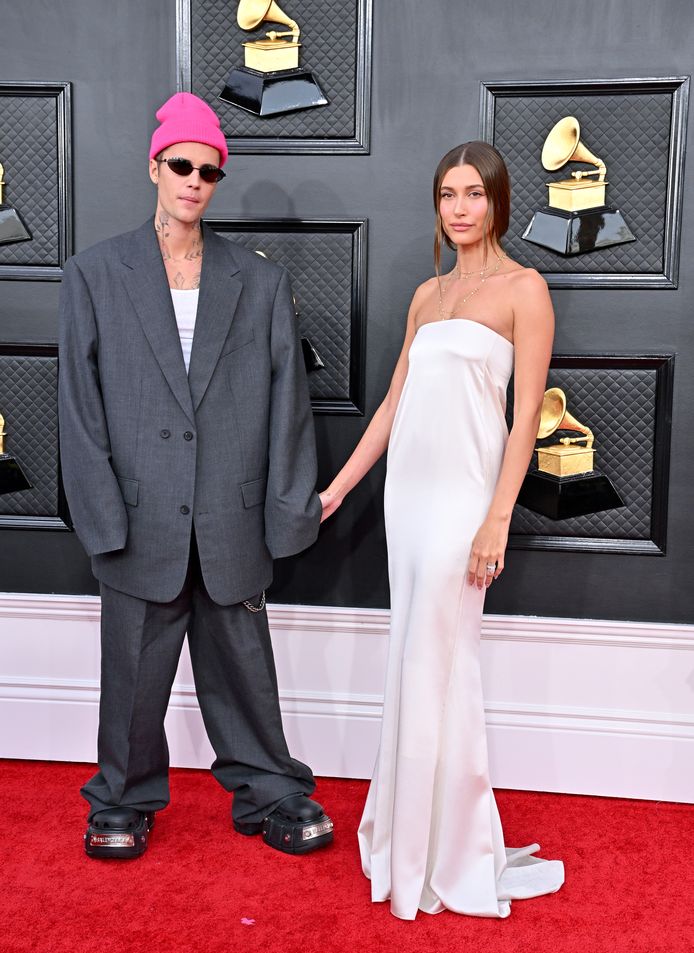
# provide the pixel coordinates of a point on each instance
(430, 836)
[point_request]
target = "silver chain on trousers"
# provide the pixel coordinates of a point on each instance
(258, 608)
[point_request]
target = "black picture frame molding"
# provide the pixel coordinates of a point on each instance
(656, 545)
(359, 144)
(353, 404)
(62, 93)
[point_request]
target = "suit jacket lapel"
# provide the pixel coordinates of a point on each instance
(220, 288)
(148, 289)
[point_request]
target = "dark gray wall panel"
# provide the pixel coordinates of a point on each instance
(329, 47)
(31, 171)
(35, 150)
(627, 403)
(637, 129)
(326, 262)
(28, 402)
(428, 66)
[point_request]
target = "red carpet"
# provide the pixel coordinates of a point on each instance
(201, 888)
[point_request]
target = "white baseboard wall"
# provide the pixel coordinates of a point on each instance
(573, 705)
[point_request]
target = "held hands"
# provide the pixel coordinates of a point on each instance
(487, 553)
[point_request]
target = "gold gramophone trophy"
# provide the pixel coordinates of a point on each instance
(12, 226)
(12, 476)
(271, 81)
(577, 218)
(565, 483)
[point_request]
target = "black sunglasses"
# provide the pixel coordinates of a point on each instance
(208, 173)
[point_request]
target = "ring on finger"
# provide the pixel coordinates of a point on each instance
(491, 569)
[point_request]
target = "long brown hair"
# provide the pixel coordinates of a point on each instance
(494, 174)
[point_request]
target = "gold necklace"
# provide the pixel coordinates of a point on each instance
(442, 314)
(468, 274)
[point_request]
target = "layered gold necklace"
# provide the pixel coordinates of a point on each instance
(484, 274)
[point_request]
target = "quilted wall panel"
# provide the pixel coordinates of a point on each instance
(29, 404)
(328, 291)
(329, 49)
(34, 149)
(631, 134)
(28, 150)
(619, 404)
(638, 128)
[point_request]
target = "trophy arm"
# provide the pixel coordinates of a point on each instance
(583, 154)
(294, 30)
(588, 434)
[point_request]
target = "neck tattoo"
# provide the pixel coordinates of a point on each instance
(163, 230)
(183, 272)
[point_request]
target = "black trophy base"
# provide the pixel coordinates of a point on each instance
(12, 226)
(12, 476)
(575, 233)
(312, 359)
(562, 497)
(270, 94)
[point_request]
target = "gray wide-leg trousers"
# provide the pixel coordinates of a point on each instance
(236, 685)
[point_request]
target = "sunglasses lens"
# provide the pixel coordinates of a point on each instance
(210, 173)
(180, 166)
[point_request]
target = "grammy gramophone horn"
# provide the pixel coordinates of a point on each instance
(563, 144)
(553, 409)
(251, 13)
(555, 416)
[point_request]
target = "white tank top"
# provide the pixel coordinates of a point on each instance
(186, 308)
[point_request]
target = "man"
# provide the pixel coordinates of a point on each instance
(189, 463)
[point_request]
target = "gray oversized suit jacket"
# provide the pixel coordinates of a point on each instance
(147, 450)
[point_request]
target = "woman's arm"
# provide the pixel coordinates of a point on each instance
(533, 331)
(376, 436)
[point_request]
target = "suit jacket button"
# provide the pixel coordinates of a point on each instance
(185, 510)
(164, 433)
(187, 435)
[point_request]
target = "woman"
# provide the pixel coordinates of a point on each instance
(430, 836)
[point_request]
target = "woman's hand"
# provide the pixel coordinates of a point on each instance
(330, 502)
(488, 548)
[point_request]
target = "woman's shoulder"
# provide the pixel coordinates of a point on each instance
(424, 293)
(526, 283)
(527, 277)
(426, 287)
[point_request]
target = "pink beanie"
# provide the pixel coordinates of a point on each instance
(186, 118)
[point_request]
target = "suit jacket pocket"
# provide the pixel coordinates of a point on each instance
(129, 489)
(253, 492)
